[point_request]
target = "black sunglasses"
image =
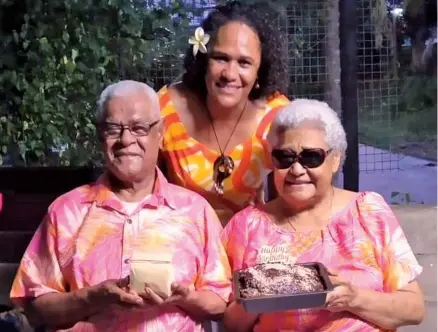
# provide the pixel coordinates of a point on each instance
(308, 158)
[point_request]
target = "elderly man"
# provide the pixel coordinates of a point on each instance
(75, 272)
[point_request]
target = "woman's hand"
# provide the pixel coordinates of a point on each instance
(386, 310)
(237, 319)
(344, 295)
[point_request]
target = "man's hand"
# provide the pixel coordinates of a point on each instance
(199, 304)
(114, 292)
(179, 295)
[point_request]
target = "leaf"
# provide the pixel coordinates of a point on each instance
(22, 150)
(51, 129)
(46, 117)
(56, 96)
(14, 77)
(74, 54)
(65, 37)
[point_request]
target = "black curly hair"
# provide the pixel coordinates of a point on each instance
(260, 17)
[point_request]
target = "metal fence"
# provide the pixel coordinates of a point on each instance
(305, 26)
(377, 92)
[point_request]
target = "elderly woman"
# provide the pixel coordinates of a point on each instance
(217, 118)
(355, 235)
(75, 272)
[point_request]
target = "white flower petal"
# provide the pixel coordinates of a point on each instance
(202, 48)
(206, 39)
(195, 49)
(192, 41)
(199, 33)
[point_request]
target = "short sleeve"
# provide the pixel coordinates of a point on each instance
(396, 258)
(235, 239)
(39, 271)
(215, 275)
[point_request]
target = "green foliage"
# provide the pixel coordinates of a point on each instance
(402, 118)
(418, 93)
(57, 60)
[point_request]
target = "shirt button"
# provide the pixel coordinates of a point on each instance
(127, 260)
(129, 221)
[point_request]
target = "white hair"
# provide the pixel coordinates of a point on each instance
(123, 89)
(299, 111)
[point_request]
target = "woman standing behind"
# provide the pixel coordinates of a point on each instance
(217, 118)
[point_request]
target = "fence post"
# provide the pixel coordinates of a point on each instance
(348, 54)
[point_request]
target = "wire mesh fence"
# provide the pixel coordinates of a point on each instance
(377, 91)
(310, 43)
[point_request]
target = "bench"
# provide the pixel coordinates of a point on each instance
(26, 195)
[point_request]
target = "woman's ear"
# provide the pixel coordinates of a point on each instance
(336, 162)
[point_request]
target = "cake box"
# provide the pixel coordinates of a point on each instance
(271, 303)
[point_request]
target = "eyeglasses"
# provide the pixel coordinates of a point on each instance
(114, 130)
(308, 158)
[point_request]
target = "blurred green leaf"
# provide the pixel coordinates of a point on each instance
(69, 51)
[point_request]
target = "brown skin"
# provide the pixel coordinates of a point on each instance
(306, 200)
(130, 159)
(388, 310)
(300, 188)
(131, 162)
(232, 71)
(231, 74)
(201, 305)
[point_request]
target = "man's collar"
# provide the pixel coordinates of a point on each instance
(101, 194)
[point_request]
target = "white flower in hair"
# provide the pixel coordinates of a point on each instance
(199, 41)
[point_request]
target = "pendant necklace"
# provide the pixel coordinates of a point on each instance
(223, 165)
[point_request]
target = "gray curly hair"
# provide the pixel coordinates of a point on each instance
(304, 110)
(126, 88)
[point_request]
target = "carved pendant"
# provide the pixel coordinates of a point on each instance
(223, 167)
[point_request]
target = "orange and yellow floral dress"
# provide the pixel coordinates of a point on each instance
(190, 163)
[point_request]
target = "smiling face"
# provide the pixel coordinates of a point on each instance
(299, 185)
(130, 157)
(234, 61)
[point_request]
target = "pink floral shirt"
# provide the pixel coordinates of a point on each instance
(364, 243)
(88, 237)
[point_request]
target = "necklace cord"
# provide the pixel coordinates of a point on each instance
(232, 132)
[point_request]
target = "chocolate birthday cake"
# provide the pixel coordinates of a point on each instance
(278, 279)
